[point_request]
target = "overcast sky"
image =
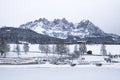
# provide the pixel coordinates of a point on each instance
(103, 13)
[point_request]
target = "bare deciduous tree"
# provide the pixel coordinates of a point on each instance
(53, 49)
(26, 48)
(41, 48)
(47, 49)
(44, 48)
(61, 49)
(18, 49)
(76, 52)
(103, 50)
(82, 48)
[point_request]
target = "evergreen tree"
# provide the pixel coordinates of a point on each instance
(4, 47)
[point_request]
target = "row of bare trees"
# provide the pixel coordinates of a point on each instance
(63, 49)
(25, 48)
(59, 49)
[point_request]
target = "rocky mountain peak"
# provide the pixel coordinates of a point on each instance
(88, 26)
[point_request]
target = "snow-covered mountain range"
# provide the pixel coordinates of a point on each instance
(61, 28)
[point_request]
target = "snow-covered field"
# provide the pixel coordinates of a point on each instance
(113, 49)
(34, 50)
(62, 73)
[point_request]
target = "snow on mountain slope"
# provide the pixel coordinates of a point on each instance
(89, 28)
(61, 28)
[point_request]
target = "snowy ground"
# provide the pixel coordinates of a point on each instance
(62, 73)
(34, 50)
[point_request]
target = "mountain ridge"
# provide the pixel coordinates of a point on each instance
(70, 32)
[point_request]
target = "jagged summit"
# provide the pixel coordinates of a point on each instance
(88, 26)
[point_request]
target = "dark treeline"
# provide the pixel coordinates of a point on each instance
(14, 35)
